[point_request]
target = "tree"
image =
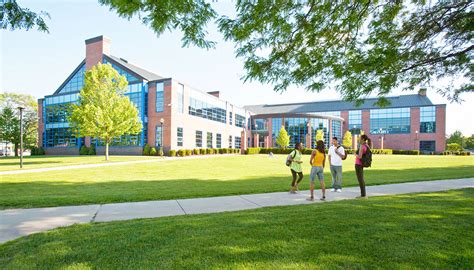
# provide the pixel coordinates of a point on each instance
(456, 137)
(13, 17)
(319, 135)
(283, 140)
(10, 119)
(104, 111)
(347, 141)
(469, 142)
(359, 47)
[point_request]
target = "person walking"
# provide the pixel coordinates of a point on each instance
(336, 155)
(317, 161)
(359, 167)
(295, 167)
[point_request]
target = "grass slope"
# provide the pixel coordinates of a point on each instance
(424, 231)
(215, 176)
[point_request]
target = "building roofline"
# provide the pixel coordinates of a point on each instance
(83, 62)
(95, 39)
(124, 67)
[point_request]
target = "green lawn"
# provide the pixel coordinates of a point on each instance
(36, 162)
(215, 176)
(418, 231)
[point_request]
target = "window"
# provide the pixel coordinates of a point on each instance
(355, 119)
(218, 140)
(158, 135)
(130, 78)
(237, 142)
(276, 126)
(428, 119)
(230, 141)
(206, 110)
(261, 124)
(198, 138)
(332, 113)
(60, 137)
(180, 136)
(239, 120)
(230, 118)
(181, 98)
(209, 140)
(159, 97)
(319, 124)
(336, 129)
(427, 146)
(297, 129)
(76, 83)
(390, 121)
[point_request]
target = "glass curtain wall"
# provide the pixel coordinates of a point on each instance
(276, 126)
(428, 119)
(319, 124)
(297, 129)
(390, 121)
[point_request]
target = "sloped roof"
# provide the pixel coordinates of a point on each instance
(142, 73)
(338, 105)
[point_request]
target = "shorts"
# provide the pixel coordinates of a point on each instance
(319, 171)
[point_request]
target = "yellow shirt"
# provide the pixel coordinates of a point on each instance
(318, 159)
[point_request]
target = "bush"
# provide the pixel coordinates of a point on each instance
(172, 153)
(196, 152)
(181, 153)
(160, 152)
(37, 151)
(153, 151)
(237, 151)
(405, 152)
(83, 150)
(252, 151)
(453, 147)
(208, 151)
(91, 151)
(221, 150)
(381, 151)
(189, 152)
(203, 151)
(307, 151)
(146, 150)
(457, 153)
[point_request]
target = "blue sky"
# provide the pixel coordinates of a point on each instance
(37, 63)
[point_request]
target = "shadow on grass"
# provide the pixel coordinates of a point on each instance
(379, 233)
(59, 193)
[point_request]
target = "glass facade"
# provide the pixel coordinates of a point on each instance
(60, 137)
(205, 110)
(427, 146)
(239, 120)
(390, 121)
(230, 118)
(230, 141)
(428, 119)
(260, 124)
(209, 140)
(160, 99)
(218, 140)
(181, 98)
(276, 126)
(319, 124)
(237, 142)
(130, 78)
(198, 138)
(179, 133)
(76, 83)
(337, 129)
(158, 135)
(297, 129)
(331, 113)
(355, 119)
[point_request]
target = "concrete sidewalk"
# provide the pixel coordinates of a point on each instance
(15, 223)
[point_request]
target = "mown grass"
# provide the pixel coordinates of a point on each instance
(215, 176)
(417, 231)
(37, 162)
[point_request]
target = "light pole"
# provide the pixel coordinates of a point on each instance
(162, 121)
(21, 135)
(381, 138)
(416, 139)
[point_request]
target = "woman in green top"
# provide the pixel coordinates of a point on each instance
(295, 158)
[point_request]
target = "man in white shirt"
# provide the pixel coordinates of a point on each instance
(336, 155)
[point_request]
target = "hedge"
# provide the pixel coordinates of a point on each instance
(181, 153)
(172, 153)
(196, 151)
(153, 151)
(457, 153)
(252, 151)
(37, 151)
(406, 152)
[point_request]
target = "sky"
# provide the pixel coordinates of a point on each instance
(37, 63)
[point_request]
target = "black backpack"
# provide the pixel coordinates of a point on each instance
(345, 153)
(367, 158)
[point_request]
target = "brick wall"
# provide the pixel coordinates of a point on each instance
(39, 143)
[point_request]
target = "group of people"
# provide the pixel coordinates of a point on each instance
(317, 161)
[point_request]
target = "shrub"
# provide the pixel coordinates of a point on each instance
(160, 152)
(172, 153)
(208, 151)
(83, 150)
(146, 150)
(196, 152)
(381, 151)
(153, 151)
(307, 151)
(252, 151)
(221, 150)
(406, 152)
(203, 151)
(453, 147)
(37, 151)
(189, 152)
(181, 153)
(91, 151)
(237, 151)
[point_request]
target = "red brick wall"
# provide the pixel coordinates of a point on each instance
(345, 123)
(39, 143)
(155, 117)
(441, 128)
(95, 50)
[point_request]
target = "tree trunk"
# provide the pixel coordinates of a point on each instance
(16, 150)
(106, 151)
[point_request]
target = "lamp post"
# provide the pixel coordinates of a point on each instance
(162, 121)
(416, 139)
(21, 136)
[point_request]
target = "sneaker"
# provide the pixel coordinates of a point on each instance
(323, 198)
(339, 190)
(333, 190)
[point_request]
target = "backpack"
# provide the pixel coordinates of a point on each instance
(366, 158)
(289, 157)
(345, 153)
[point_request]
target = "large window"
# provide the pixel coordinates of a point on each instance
(198, 138)
(390, 121)
(237, 142)
(276, 126)
(205, 110)
(209, 140)
(297, 129)
(230, 118)
(60, 137)
(230, 141)
(319, 124)
(332, 113)
(428, 119)
(130, 77)
(355, 119)
(261, 124)
(76, 83)
(337, 129)
(180, 136)
(427, 146)
(159, 97)
(158, 135)
(239, 120)
(218, 140)
(181, 98)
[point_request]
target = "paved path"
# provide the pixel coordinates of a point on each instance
(112, 163)
(15, 223)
